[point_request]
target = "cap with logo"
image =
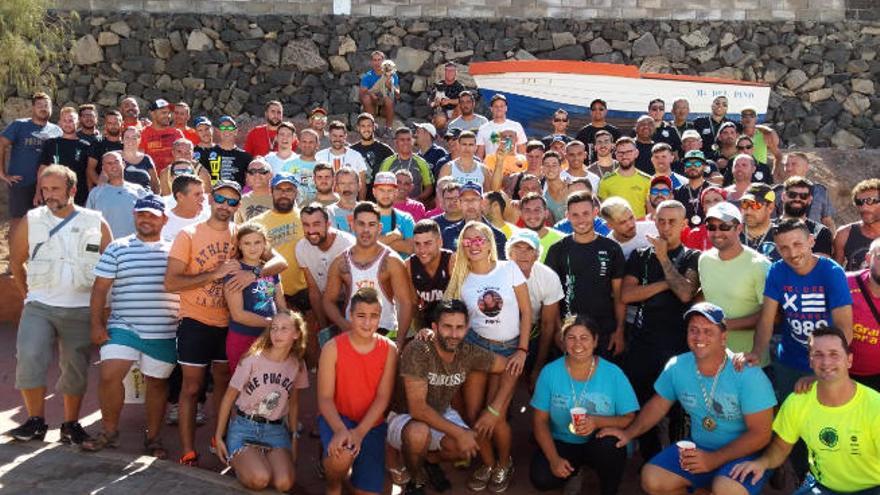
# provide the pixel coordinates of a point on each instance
(226, 184)
(202, 121)
(151, 203)
(284, 177)
(760, 192)
(385, 179)
(726, 212)
(159, 104)
(695, 155)
(662, 179)
(710, 311)
(226, 119)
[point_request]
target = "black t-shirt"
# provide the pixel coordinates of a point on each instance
(643, 162)
(659, 321)
(586, 272)
(103, 146)
(374, 155)
(587, 135)
(139, 173)
(767, 246)
(708, 130)
(226, 164)
(690, 198)
(92, 139)
(74, 154)
(430, 288)
(666, 133)
(451, 91)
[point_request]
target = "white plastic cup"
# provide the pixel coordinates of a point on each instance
(685, 445)
(578, 416)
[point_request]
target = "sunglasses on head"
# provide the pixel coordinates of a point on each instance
(227, 128)
(797, 195)
(473, 241)
(748, 204)
(181, 171)
(745, 147)
(866, 201)
(723, 227)
(220, 199)
(657, 191)
(261, 171)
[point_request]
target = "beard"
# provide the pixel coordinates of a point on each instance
(273, 122)
(445, 345)
(793, 211)
(282, 205)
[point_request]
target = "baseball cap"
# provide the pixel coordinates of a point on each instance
(318, 110)
(726, 125)
(748, 108)
(498, 96)
(694, 155)
(690, 134)
(151, 203)
(227, 119)
(712, 312)
(557, 139)
(283, 177)
(661, 179)
(428, 127)
(726, 212)
(202, 121)
(453, 133)
(760, 192)
(227, 184)
(385, 179)
(160, 103)
(528, 236)
(471, 186)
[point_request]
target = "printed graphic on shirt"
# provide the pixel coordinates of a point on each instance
(490, 302)
(805, 309)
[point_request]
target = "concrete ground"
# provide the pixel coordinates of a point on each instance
(50, 467)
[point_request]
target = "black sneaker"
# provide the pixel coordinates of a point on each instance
(412, 488)
(73, 432)
(436, 477)
(32, 429)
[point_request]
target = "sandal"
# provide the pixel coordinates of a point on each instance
(154, 447)
(190, 459)
(100, 442)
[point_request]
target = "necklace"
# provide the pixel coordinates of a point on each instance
(755, 242)
(578, 399)
(709, 422)
(271, 140)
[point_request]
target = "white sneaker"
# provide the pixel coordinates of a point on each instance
(172, 415)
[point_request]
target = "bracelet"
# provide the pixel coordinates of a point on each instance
(524, 349)
(493, 411)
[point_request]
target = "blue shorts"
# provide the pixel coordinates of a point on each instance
(506, 348)
(368, 470)
(813, 487)
(668, 460)
(243, 432)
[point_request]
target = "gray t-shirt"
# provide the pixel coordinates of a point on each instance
(116, 203)
(472, 125)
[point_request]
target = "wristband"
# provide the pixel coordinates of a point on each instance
(524, 349)
(493, 411)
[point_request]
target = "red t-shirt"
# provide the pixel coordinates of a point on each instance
(866, 328)
(191, 134)
(261, 140)
(157, 143)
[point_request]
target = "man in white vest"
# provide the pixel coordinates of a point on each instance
(52, 254)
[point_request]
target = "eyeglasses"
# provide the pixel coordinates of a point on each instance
(319, 117)
(227, 128)
(723, 227)
(220, 199)
(748, 147)
(473, 242)
(748, 204)
(657, 191)
(261, 171)
(693, 164)
(797, 195)
(866, 201)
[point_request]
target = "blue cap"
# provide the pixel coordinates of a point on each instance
(151, 203)
(226, 118)
(202, 121)
(527, 236)
(712, 312)
(472, 186)
(283, 177)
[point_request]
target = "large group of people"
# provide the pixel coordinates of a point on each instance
(682, 291)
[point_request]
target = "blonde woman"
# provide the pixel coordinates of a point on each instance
(497, 298)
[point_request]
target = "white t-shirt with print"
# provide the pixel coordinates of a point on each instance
(489, 134)
(491, 301)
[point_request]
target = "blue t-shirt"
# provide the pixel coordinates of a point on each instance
(259, 298)
(736, 395)
(806, 301)
(608, 393)
(370, 78)
(403, 222)
(27, 141)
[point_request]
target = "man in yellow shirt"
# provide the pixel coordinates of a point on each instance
(284, 228)
(838, 420)
(627, 181)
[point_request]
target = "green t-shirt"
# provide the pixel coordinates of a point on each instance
(737, 286)
(550, 238)
(634, 189)
(844, 441)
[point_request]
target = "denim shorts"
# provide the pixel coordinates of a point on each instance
(506, 348)
(243, 432)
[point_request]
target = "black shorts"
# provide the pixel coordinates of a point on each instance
(199, 344)
(299, 302)
(21, 200)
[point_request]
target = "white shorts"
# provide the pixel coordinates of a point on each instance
(151, 367)
(397, 422)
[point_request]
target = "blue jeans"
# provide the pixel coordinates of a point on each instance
(506, 348)
(243, 432)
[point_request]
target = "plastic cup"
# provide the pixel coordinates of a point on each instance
(685, 445)
(578, 416)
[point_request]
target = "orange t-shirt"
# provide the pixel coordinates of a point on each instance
(203, 249)
(158, 143)
(512, 163)
(358, 376)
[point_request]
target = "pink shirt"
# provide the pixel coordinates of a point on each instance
(264, 385)
(413, 207)
(866, 328)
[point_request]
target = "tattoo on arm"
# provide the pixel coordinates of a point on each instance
(682, 286)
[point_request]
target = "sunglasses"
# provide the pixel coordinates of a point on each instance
(227, 128)
(261, 171)
(723, 227)
(220, 199)
(796, 195)
(748, 204)
(657, 191)
(319, 117)
(866, 201)
(473, 241)
(181, 171)
(693, 164)
(745, 147)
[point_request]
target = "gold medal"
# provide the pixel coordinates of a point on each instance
(709, 424)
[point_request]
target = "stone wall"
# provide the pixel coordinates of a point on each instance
(823, 74)
(820, 10)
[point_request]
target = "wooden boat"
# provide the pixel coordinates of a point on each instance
(536, 88)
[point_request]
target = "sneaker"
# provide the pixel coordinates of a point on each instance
(500, 478)
(412, 488)
(479, 479)
(400, 476)
(436, 477)
(32, 429)
(574, 484)
(102, 441)
(173, 415)
(201, 417)
(73, 433)
(190, 459)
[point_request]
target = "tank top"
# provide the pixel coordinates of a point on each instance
(369, 277)
(856, 248)
(429, 288)
(358, 376)
(461, 177)
(760, 151)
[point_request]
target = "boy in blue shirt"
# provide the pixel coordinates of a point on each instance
(380, 86)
